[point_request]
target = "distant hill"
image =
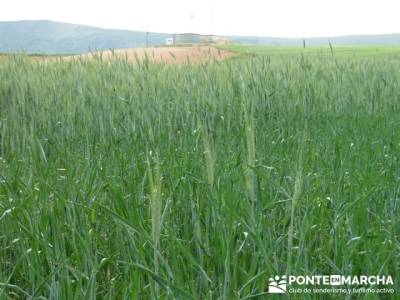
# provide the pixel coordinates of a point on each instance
(54, 37)
(50, 37)
(381, 39)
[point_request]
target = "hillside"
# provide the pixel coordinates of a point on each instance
(55, 37)
(382, 39)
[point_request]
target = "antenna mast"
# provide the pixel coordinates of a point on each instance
(211, 18)
(192, 21)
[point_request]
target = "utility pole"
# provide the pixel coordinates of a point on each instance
(147, 37)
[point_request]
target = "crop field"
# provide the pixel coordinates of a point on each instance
(318, 51)
(160, 181)
(168, 55)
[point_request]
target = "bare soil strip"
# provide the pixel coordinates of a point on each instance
(169, 55)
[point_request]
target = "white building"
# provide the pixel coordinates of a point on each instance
(169, 41)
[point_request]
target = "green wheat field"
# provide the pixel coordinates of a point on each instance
(152, 181)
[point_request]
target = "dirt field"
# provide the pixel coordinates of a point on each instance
(179, 55)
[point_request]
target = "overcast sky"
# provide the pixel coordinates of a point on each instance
(286, 18)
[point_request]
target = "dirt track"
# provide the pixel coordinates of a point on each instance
(170, 55)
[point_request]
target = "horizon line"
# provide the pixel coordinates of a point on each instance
(215, 34)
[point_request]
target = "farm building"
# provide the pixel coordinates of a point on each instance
(169, 41)
(195, 38)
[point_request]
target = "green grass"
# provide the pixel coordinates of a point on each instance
(196, 182)
(338, 51)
